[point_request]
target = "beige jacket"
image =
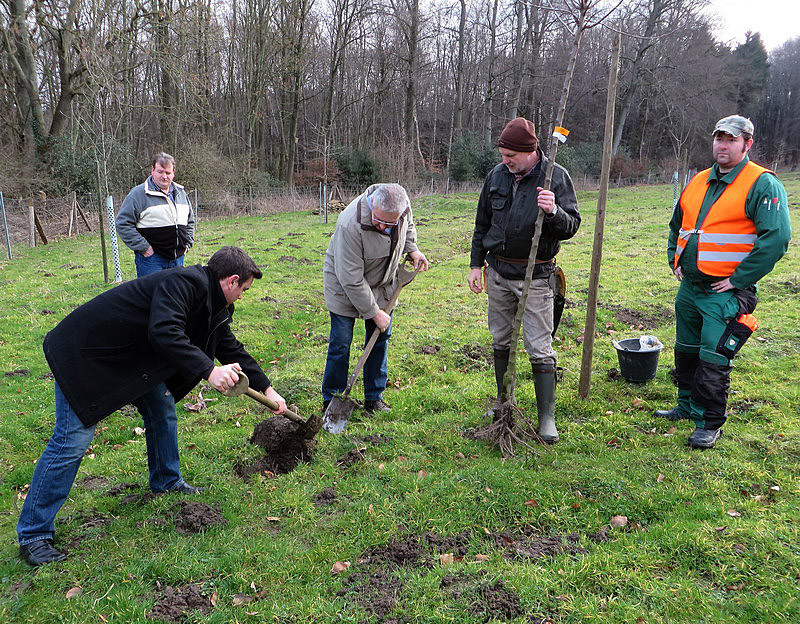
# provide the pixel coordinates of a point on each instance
(360, 271)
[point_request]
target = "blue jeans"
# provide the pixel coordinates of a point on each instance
(376, 368)
(154, 263)
(56, 469)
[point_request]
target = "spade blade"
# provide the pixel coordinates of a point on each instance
(337, 414)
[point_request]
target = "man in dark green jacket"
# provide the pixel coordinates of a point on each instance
(728, 230)
(509, 204)
(146, 342)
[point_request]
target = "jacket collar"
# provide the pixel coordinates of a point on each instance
(151, 188)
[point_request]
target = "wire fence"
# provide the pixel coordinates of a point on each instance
(30, 221)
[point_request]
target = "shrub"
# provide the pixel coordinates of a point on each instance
(357, 168)
(471, 158)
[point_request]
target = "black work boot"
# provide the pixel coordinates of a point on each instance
(41, 552)
(671, 414)
(704, 438)
(544, 382)
(501, 357)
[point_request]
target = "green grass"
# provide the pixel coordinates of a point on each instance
(680, 566)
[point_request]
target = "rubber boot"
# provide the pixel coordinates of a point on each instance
(544, 382)
(501, 357)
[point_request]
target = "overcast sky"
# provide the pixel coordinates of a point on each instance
(776, 20)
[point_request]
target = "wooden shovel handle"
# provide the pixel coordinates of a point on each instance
(264, 400)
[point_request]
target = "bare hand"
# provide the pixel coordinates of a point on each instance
(271, 394)
(418, 260)
(382, 320)
(722, 285)
(546, 200)
(475, 280)
(224, 377)
(679, 273)
(148, 252)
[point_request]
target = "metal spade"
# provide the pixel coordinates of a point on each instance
(339, 409)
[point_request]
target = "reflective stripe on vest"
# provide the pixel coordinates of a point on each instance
(727, 235)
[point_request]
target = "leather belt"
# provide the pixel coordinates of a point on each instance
(523, 261)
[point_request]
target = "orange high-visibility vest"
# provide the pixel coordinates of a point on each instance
(727, 235)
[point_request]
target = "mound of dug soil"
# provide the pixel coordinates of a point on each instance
(194, 516)
(285, 443)
(176, 603)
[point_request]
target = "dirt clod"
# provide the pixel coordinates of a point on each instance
(176, 603)
(93, 482)
(194, 517)
(376, 592)
(353, 456)
(119, 488)
(407, 552)
(429, 349)
(529, 545)
(325, 497)
(18, 372)
(498, 602)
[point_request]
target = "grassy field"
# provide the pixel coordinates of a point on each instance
(436, 527)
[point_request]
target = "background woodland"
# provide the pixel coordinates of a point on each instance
(261, 93)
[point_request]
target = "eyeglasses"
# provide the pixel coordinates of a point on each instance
(386, 223)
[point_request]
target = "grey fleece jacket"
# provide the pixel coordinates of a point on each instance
(360, 270)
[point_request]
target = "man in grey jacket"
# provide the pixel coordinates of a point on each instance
(373, 235)
(156, 219)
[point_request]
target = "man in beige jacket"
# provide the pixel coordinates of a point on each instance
(373, 235)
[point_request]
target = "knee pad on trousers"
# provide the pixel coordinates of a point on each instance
(711, 385)
(685, 368)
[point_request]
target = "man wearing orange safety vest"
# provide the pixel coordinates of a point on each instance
(728, 230)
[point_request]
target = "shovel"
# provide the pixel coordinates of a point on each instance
(340, 407)
(242, 386)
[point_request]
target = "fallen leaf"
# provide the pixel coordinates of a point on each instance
(576, 505)
(401, 458)
(241, 599)
(214, 599)
(720, 529)
(460, 455)
(370, 509)
(480, 557)
(671, 430)
(618, 521)
(422, 473)
(613, 442)
(487, 531)
(775, 488)
(138, 431)
(381, 466)
(733, 513)
(72, 593)
(446, 558)
(340, 566)
(116, 447)
(102, 617)
(238, 424)
(659, 478)
(91, 456)
(531, 503)
(637, 402)
(737, 587)
(488, 489)
(274, 518)
(253, 585)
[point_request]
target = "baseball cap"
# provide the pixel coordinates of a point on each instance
(734, 125)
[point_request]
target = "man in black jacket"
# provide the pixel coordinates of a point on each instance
(504, 226)
(146, 342)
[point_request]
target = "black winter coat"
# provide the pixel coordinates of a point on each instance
(165, 327)
(505, 221)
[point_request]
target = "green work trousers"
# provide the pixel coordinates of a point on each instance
(703, 373)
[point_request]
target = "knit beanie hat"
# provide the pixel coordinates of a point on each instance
(519, 135)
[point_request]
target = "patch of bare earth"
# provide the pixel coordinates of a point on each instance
(528, 545)
(176, 604)
(194, 517)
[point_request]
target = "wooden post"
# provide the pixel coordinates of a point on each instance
(73, 215)
(39, 227)
(83, 216)
(100, 221)
(5, 227)
(31, 224)
(597, 249)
